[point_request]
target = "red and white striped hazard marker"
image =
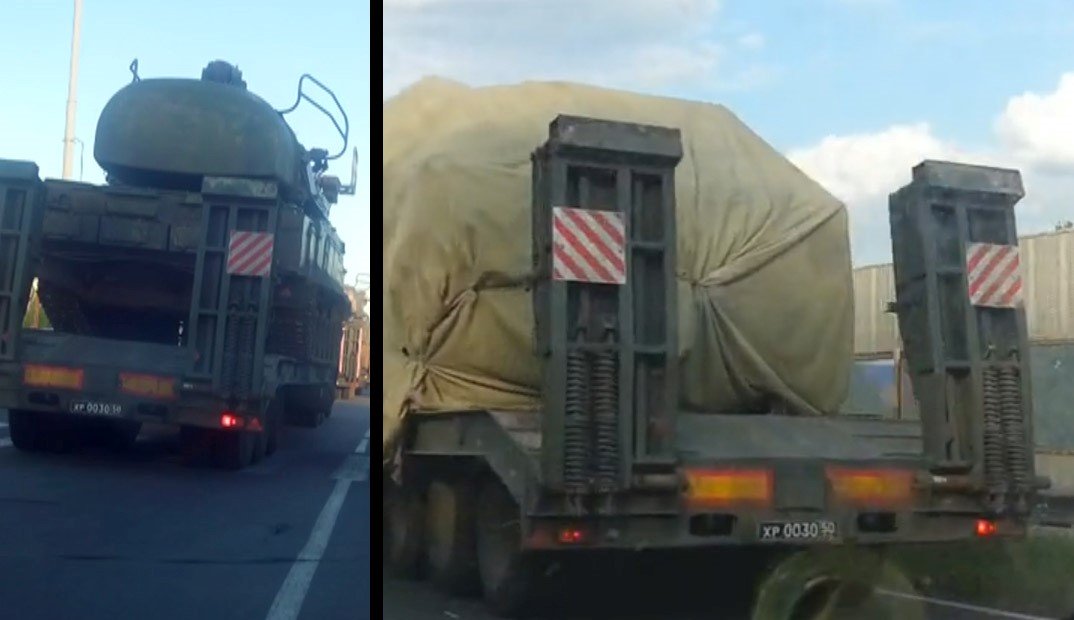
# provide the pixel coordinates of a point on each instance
(249, 253)
(994, 275)
(588, 246)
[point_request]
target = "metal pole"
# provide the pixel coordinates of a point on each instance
(72, 94)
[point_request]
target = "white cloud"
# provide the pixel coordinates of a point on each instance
(1039, 129)
(1034, 133)
(860, 167)
(640, 44)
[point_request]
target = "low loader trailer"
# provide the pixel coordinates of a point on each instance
(200, 287)
(612, 462)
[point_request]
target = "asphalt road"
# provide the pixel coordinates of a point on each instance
(667, 592)
(418, 601)
(95, 535)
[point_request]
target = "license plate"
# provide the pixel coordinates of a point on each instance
(91, 407)
(775, 531)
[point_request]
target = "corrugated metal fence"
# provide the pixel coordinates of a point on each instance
(879, 385)
(1048, 269)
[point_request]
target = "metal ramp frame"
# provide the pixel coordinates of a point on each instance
(21, 197)
(229, 311)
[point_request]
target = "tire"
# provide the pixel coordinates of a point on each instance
(260, 446)
(273, 422)
(45, 432)
(836, 583)
(196, 445)
(404, 523)
(121, 436)
(27, 430)
(233, 450)
(508, 575)
(450, 531)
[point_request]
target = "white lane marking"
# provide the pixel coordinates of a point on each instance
(363, 445)
(292, 594)
(296, 585)
(3, 424)
(355, 469)
(5, 443)
(999, 613)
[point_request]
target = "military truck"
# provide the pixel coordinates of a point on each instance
(200, 287)
(487, 499)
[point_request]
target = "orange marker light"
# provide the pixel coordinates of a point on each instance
(707, 487)
(53, 376)
(871, 486)
(150, 386)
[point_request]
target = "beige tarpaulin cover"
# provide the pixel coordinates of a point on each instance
(765, 294)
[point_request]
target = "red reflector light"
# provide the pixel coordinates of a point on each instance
(571, 536)
(985, 528)
(53, 376)
(230, 420)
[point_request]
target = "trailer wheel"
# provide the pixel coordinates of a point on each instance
(835, 583)
(234, 450)
(272, 425)
(260, 446)
(26, 430)
(450, 527)
(403, 531)
(508, 575)
(195, 444)
(121, 436)
(42, 432)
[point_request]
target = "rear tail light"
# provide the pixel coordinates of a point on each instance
(571, 536)
(872, 487)
(985, 528)
(61, 377)
(231, 420)
(150, 386)
(709, 487)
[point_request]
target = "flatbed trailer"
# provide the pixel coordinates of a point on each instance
(201, 292)
(486, 499)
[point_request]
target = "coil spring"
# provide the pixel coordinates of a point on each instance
(993, 432)
(606, 406)
(1014, 431)
(576, 424)
(231, 345)
(245, 361)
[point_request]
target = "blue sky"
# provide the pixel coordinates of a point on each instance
(273, 42)
(854, 91)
